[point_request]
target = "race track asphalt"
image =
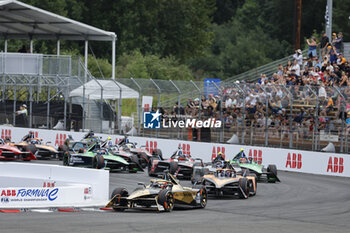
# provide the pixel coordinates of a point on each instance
(300, 203)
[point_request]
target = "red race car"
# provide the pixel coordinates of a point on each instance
(179, 164)
(8, 152)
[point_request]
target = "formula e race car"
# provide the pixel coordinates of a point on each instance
(160, 194)
(41, 151)
(270, 173)
(143, 155)
(224, 180)
(179, 164)
(93, 156)
(8, 152)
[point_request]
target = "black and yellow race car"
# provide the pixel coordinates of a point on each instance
(160, 194)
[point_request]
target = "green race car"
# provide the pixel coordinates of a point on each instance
(83, 155)
(270, 173)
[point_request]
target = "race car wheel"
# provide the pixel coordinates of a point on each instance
(61, 150)
(243, 193)
(143, 159)
(98, 162)
(203, 197)
(173, 167)
(118, 202)
(166, 199)
(252, 191)
(133, 168)
(66, 158)
(30, 148)
(273, 170)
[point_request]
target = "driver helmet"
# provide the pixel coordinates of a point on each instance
(242, 149)
(220, 154)
(109, 138)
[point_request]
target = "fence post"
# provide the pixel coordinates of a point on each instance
(343, 107)
(290, 117)
(119, 115)
(200, 98)
(139, 107)
(178, 105)
(266, 114)
(14, 104)
(316, 118)
(158, 106)
(222, 122)
(243, 121)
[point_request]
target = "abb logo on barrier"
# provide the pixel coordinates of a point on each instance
(335, 165)
(150, 146)
(216, 150)
(60, 139)
(256, 155)
(49, 184)
(5, 133)
(294, 161)
(186, 148)
(8, 193)
(146, 108)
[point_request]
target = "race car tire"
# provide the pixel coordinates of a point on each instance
(61, 150)
(30, 148)
(252, 192)
(173, 167)
(203, 197)
(244, 187)
(166, 199)
(98, 162)
(134, 159)
(66, 158)
(271, 168)
(123, 192)
(157, 153)
(143, 160)
(149, 168)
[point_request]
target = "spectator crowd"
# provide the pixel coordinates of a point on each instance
(310, 94)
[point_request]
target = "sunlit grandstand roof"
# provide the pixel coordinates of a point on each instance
(22, 21)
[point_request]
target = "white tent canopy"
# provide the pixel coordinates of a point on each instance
(19, 20)
(110, 89)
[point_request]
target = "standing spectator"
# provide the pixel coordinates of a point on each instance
(338, 42)
(347, 122)
(21, 116)
(298, 56)
(324, 44)
(312, 47)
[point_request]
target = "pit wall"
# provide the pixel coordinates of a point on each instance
(285, 159)
(30, 185)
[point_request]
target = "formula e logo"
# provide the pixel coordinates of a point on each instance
(294, 161)
(151, 120)
(217, 150)
(335, 165)
(186, 148)
(60, 139)
(150, 146)
(5, 133)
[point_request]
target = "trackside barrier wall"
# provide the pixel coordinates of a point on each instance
(29, 185)
(285, 159)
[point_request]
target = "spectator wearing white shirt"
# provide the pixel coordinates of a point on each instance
(298, 56)
(296, 67)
